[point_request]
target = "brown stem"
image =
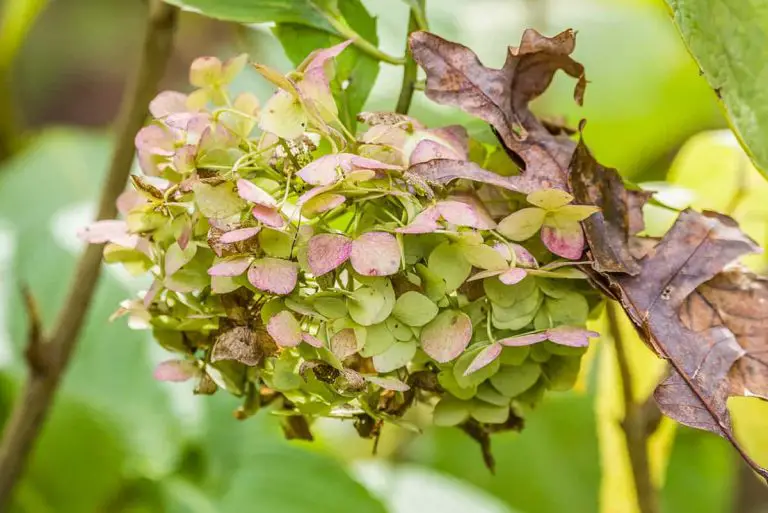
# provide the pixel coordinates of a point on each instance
(411, 69)
(751, 495)
(31, 408)
(635, 423)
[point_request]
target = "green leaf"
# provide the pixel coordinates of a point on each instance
(523, 224)
(372, 304)
(479, 375)
(450, 411)
(378, 339)
(489, 413)
(727, 39)
(487, 393)
(398, 355)
(330, 307)
(219, 202)
(512, 381)
(562, 372)
(354, 67)
(549, 199)
(414, 309)
(284, 116)
(447, 261)
(447, 380)
(508, 295)
(400, 331)
(304, 12)
(276, 244)
(514, 355)
(484, 257)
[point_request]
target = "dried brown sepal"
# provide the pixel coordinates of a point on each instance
(296, 427)
(610, 231)
(242, 344)
(480, 434)
(206, 385)
(693, 252)
(736, 299)
(455, 76)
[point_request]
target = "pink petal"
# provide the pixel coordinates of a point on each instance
(570, 336)
(274, 275)
(205, 71)
(523, 257)
(456, 137)
(504, 250)
(424, 222)
(320, 57)
(216, 137)
(427, 150)
(268, 216)
(323, 171)
(176, 370)
(155, 140)
(524, 340)
(366, 163)
(230, 267)
(388, 383)
(512, 276)
(566, 240)
(168, 102)
(457, 213)
(483, 358)
(239, 235)
(344, 343)
(375, 254)
(447, 335)
(284, 329)
(128, 200)
(483, 220)
(311, 340)
(186, 234)
(114, 231)
(327, 251)
(151, 294)
(250, 192)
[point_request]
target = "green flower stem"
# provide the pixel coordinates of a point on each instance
(416, 21)
(361, 43)
(48, 354)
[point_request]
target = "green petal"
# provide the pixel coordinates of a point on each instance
(414, 309)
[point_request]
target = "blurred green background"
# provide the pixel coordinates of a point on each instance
(118, 441)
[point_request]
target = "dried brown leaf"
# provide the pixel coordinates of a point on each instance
(694, 251)
(242, 344)
(738, 300)
(455, 76)
(609, 232)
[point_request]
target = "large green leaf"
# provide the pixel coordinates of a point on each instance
(304, 12)
(355, 69)
(73, 437)
(44, 195)
(729, 39)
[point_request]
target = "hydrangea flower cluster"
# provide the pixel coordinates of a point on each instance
(298, 265)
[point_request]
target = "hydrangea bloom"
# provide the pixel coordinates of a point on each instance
(298, 265)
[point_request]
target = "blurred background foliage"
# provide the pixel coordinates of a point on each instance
(118, 441)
